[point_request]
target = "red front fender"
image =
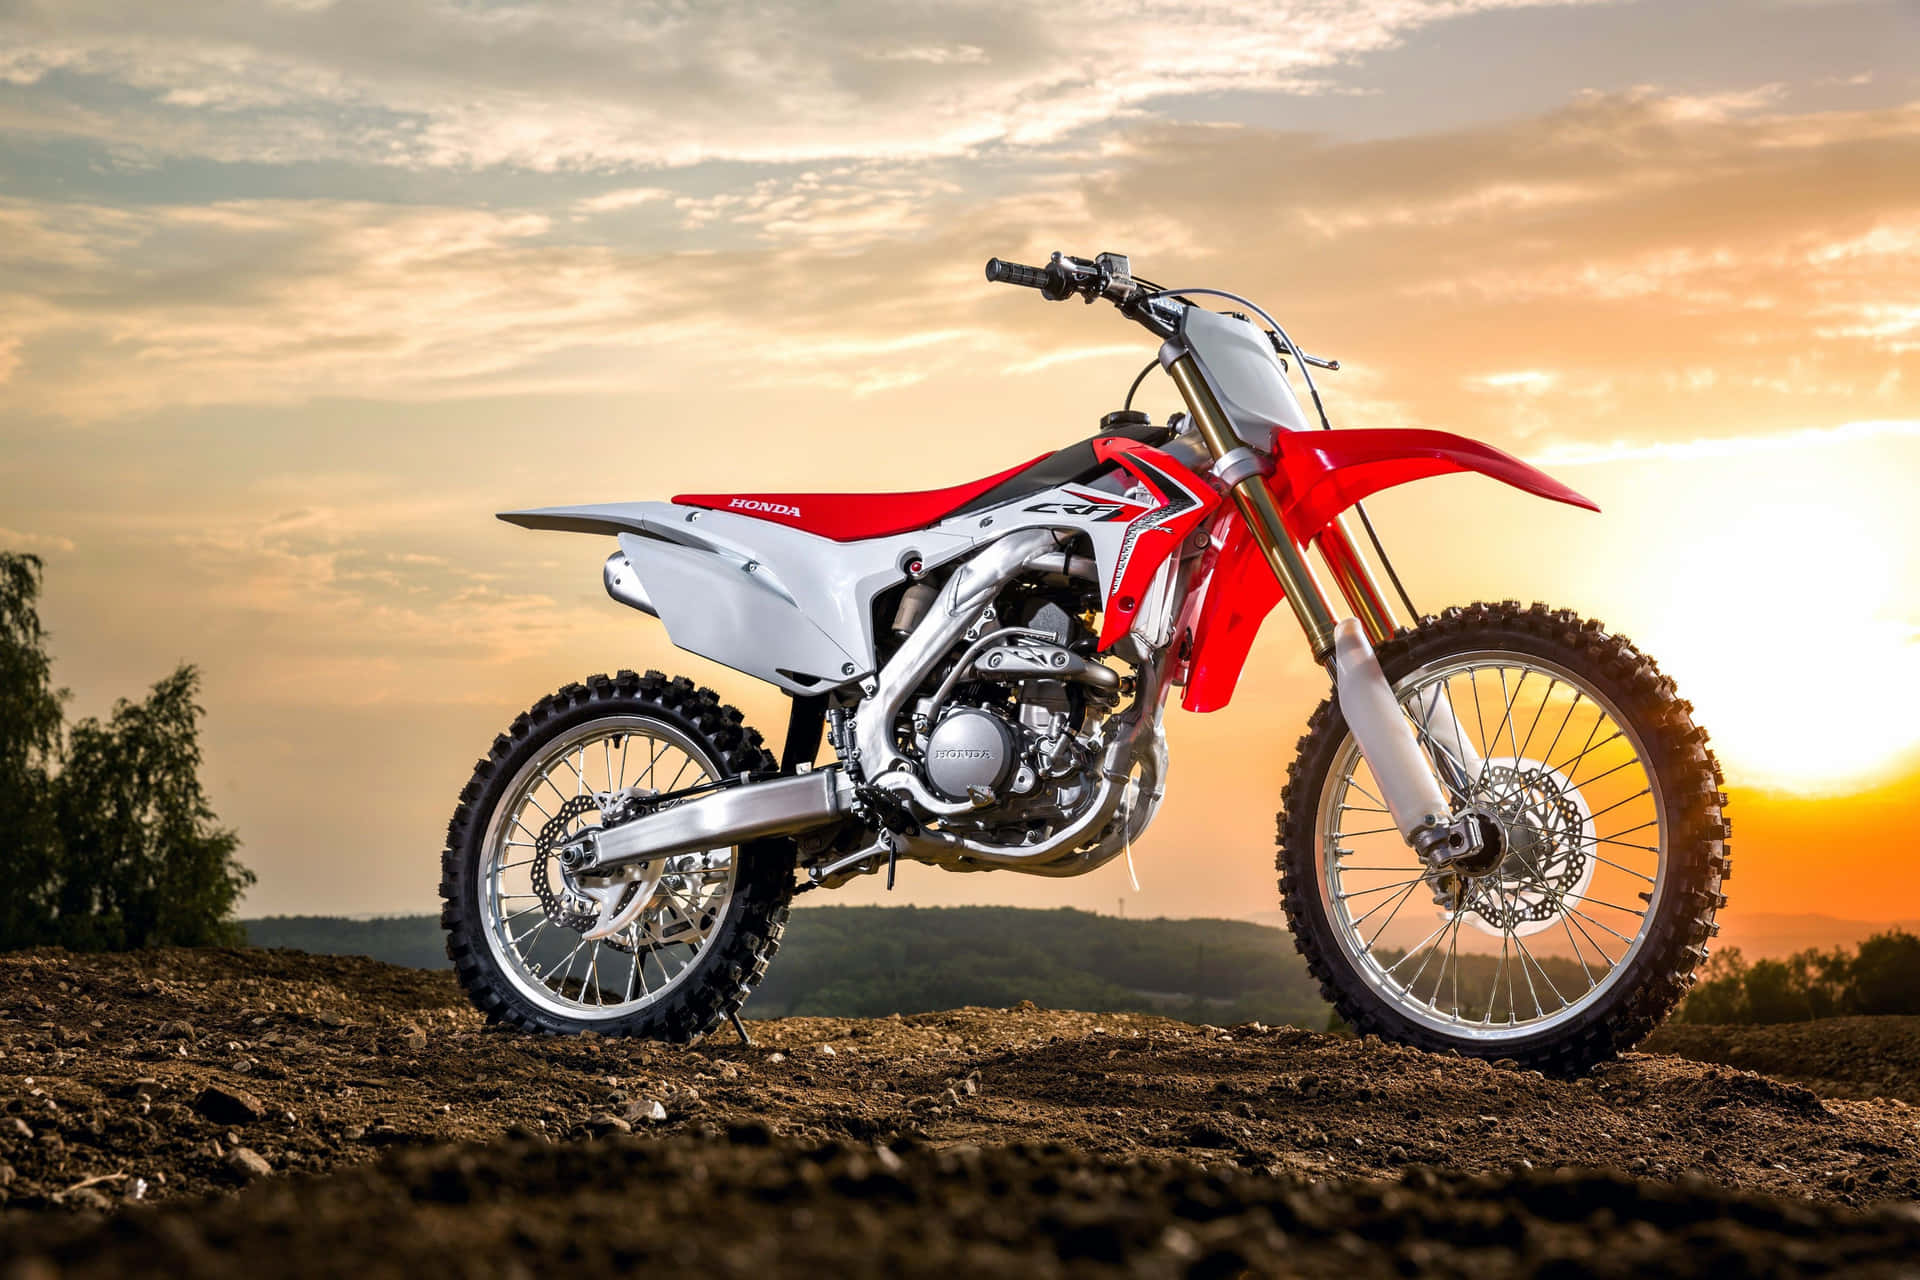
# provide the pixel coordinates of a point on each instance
(1322, 473)
(1319, 475)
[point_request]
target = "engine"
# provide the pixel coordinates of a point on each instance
(1014, 722)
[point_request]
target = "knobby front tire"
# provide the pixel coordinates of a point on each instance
(1587, 931)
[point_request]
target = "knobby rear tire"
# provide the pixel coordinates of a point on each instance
(735, 958)
(1698, 862)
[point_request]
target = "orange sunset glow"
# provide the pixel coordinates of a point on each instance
(295, 296)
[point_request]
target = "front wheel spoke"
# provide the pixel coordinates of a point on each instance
(1608, 862)
(1368, 794)
(1379, 888)
(1586, 751)
(1591, 940)
(1376, 831)
(1493, 991)
(1401, 901)
(1644, 791)
(1588, 900)
(1376, 910)
(1624, 764)
(1520, 752)
(1596, 924)
(1429, 944)
(1544, 976)
(1592, 982)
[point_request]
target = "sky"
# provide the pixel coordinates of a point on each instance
(295, 294)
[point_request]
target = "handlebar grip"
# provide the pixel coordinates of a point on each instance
(999, 272)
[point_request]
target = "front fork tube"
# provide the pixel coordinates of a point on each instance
(1386, 736)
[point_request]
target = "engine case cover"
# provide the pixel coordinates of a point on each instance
(971, 748)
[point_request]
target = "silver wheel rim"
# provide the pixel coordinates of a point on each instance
(1539, 728)
(555, 968)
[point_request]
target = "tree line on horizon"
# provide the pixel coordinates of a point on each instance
(107, 839)
(1879, 976)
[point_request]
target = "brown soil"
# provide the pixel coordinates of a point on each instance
(1835, 1057)
(165, 1076)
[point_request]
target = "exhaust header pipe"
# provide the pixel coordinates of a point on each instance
(751, 811)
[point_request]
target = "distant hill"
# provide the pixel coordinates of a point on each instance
(871, 961)
(414, 941)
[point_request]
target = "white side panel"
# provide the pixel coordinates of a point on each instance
(719, 609)
(831, 585)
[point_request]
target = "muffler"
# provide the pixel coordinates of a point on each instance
(734, 815)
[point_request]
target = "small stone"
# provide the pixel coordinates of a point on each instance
(886, 1159)
(653, 1112)
(826, 1051)
(602, 1125)
(729, 1072)
(19, 1128)
(229, 1106)
(415, 1040)
(328, 1018)
(776, 1057)
(970, 1086)
(354, 1132)
(179, 1029)
(248, 1163)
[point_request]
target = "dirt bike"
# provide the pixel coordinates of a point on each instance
(1502, 833)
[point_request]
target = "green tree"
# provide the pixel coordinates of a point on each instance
(1885, 975)
(146, 865)
(30, 722)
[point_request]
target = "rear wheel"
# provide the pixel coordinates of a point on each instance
(1581, 928)
(666, 950)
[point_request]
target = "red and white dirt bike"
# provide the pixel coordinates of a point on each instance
(1502, 833)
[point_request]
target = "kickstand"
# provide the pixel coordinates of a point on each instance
(740, 1029)
(893, 858)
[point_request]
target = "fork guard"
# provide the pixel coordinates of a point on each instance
(1318, 475)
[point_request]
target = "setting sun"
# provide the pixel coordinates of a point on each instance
(1790, 652)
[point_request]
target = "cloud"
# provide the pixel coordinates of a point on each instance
(594, 84)
(1631, 268)
(624, 198)
(13, 539)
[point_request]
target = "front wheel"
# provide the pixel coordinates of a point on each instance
(665, 950)
(1581, 927)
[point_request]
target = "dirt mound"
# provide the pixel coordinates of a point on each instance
(167, 1075)
(1835, 1057)
(522, 1208)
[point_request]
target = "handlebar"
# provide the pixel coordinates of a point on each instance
(999, 272)
(1110, 276)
